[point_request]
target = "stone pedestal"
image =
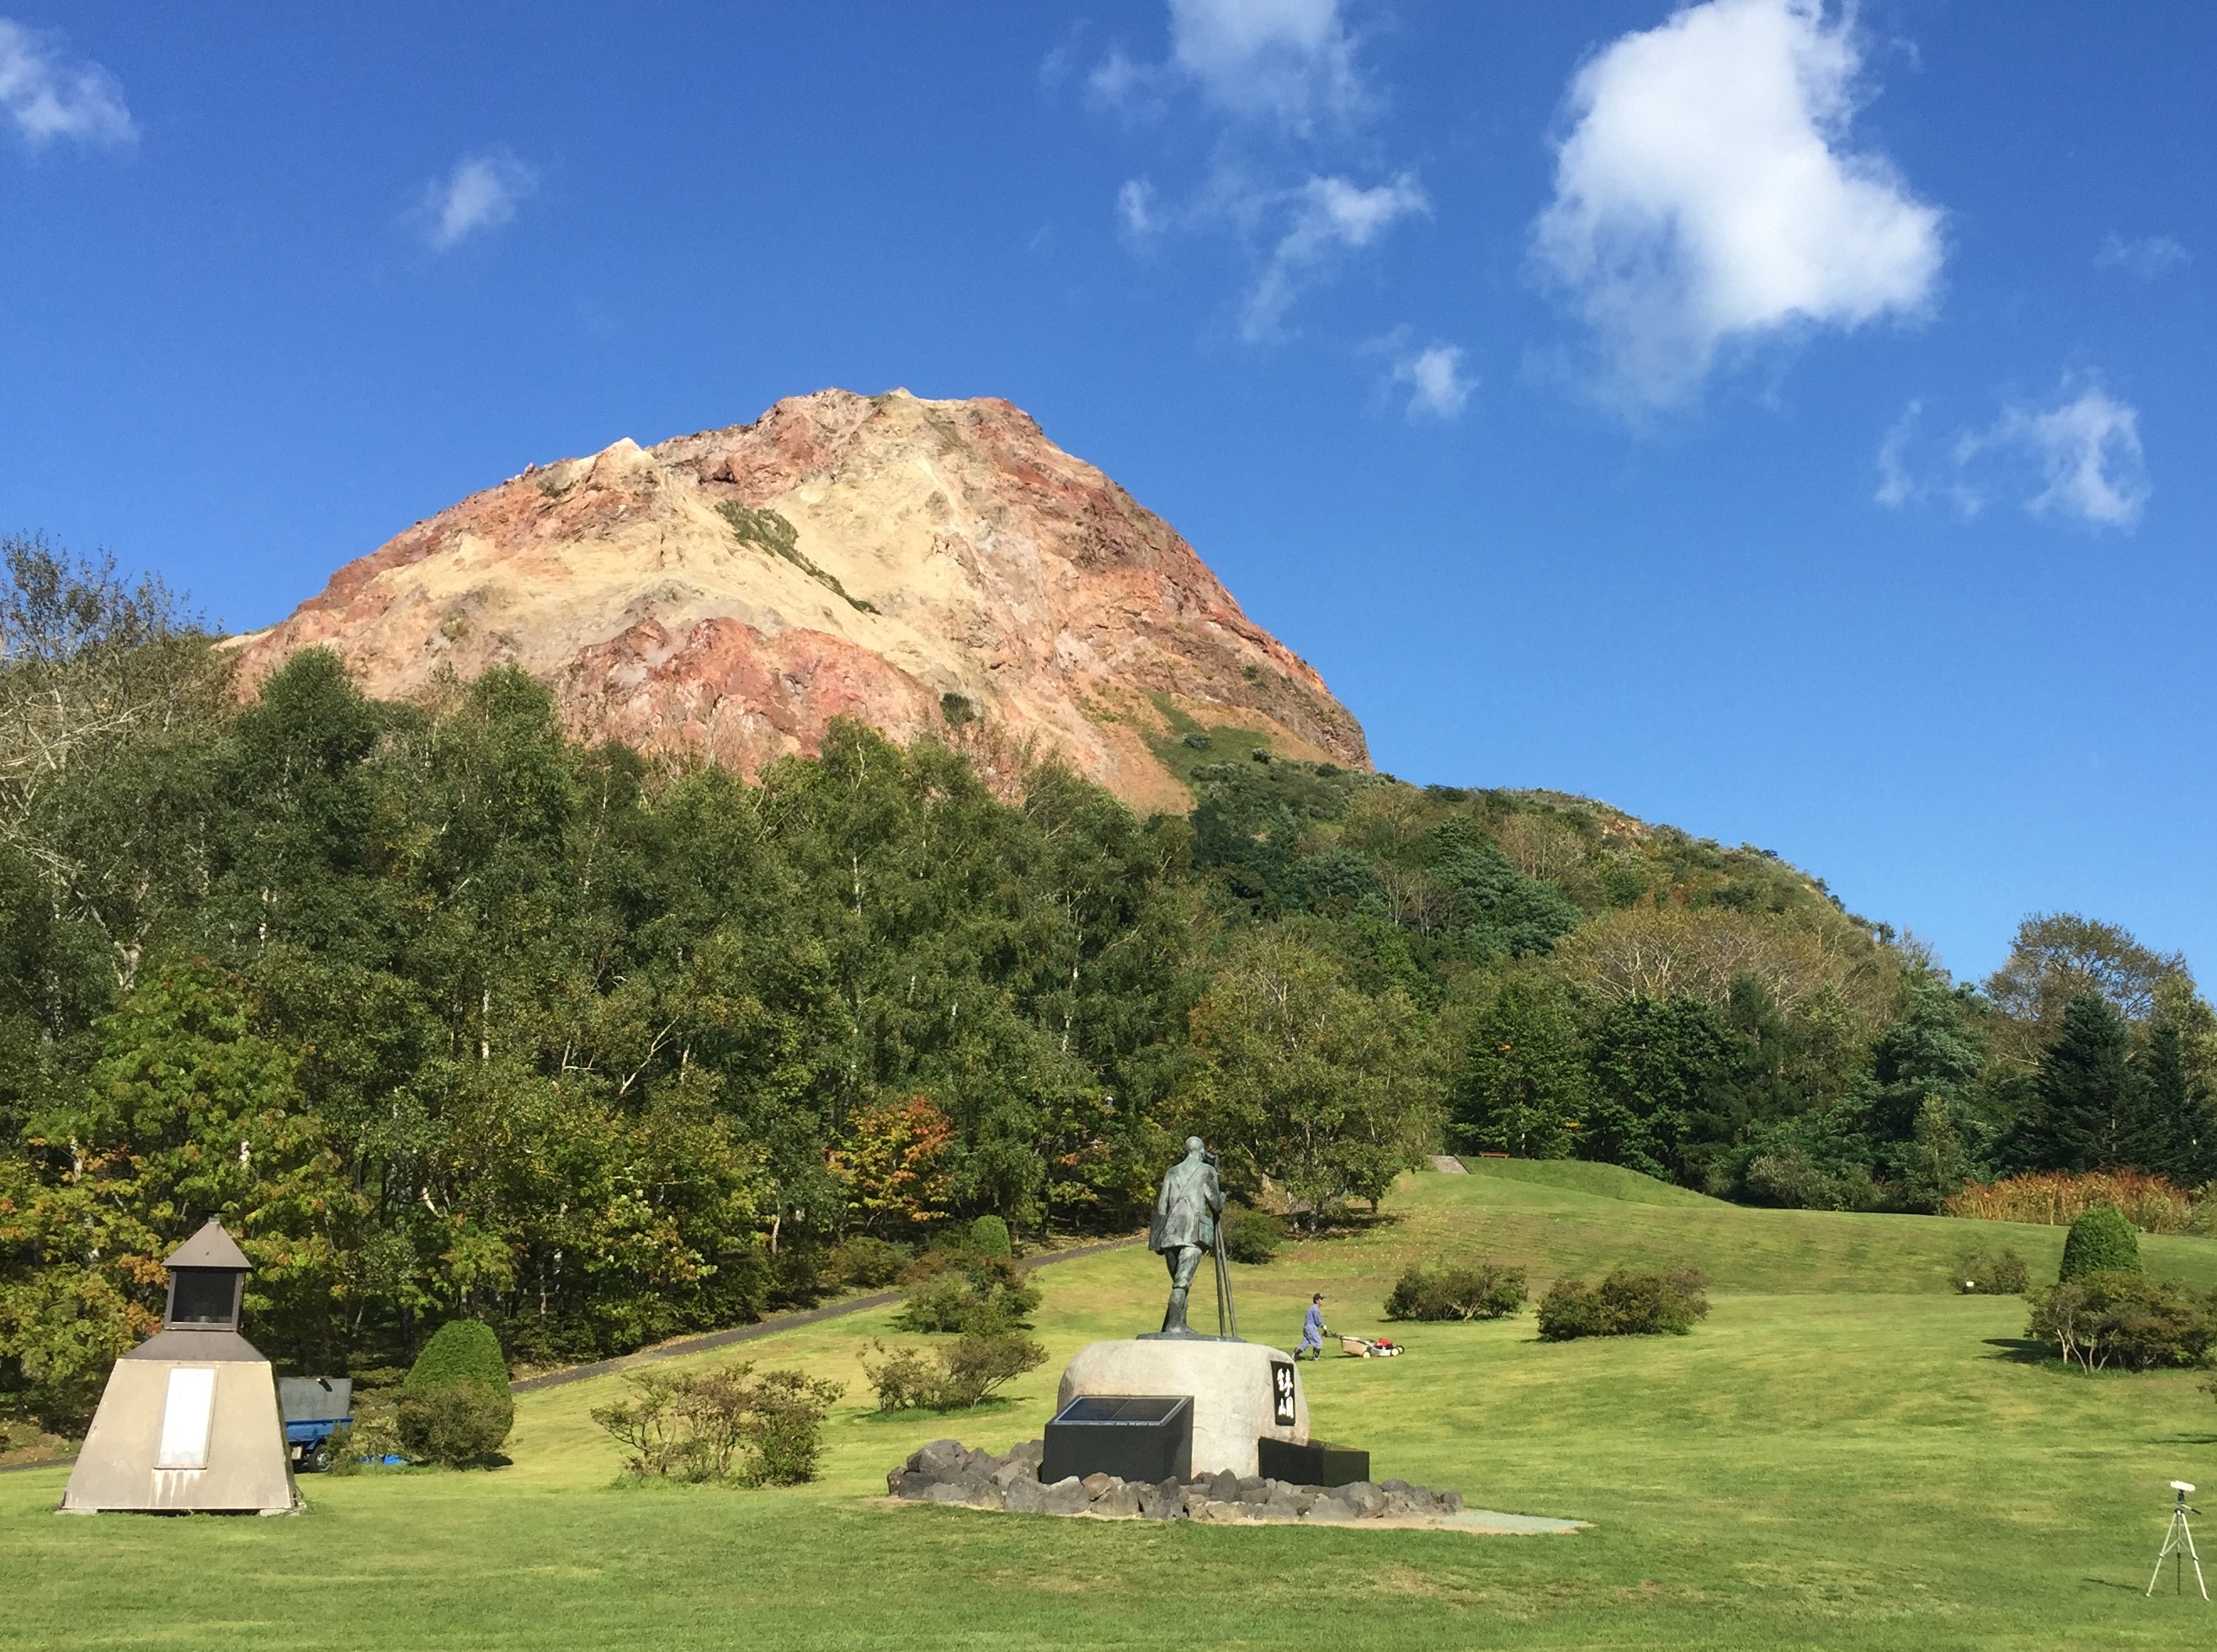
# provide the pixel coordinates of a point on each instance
(1241, 1391)
(189, 1422)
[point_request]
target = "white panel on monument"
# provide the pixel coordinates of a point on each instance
(1241, 1391)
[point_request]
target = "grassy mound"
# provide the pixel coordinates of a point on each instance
(1843, 1454)
(1601, 1180)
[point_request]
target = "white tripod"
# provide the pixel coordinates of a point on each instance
(2178, 1545)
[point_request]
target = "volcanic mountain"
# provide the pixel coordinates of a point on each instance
(923, 566)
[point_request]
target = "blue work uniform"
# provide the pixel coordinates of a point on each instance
(1313, 1329)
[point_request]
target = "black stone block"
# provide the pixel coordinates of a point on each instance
(1141, 1438)
(1317, 1464)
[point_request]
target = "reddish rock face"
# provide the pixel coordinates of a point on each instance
(729, 594)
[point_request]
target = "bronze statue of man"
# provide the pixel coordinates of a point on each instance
(1184, 1228)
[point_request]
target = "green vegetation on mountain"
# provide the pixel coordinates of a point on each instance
(449, 1015)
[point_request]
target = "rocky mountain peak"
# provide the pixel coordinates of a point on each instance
(922, 565)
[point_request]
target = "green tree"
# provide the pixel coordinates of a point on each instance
(2083, 1113)
(1520, 1085)
(1935, 1168)
(2168, 1131)
(2059, 957)
(1652, 1062)
(1326, 1091)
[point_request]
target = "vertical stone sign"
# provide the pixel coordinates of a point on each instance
(1281, 1393)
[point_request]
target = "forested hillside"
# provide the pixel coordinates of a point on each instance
(442, 1012)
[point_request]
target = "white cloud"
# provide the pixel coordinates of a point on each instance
(2080, 459)
(1704, 195)
(1288, 61)
(1329, 214)
(1136, 209)
(1896, 487)
(2150, 257)
(1434, 374)
(482, 192)
(1270, 76)
(48, 98)
(2089, 451)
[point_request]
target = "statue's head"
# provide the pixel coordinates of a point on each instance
(1193, 1145)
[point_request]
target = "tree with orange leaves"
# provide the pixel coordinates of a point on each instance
(893, 1168)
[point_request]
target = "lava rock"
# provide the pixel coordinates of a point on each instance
(1118, 1501)
(1162, 1501)
(1065, 1496)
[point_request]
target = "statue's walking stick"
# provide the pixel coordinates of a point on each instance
(1227, 1316)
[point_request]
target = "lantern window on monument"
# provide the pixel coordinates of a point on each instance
(207, 1280)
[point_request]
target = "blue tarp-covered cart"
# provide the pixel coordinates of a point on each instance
(313, 1409)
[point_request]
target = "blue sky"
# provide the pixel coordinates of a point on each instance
(1789, 424)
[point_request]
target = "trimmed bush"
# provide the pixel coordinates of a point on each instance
(866, 1263)
(455, 1424)
(1487, 1290)
(989, 1236)
(460, 1351)
(2101, 1242)
(962, 1291)
(1981, 1272)
(1250, 1237)
(454, 1406)
(1628, 1302)
(2123, 1320)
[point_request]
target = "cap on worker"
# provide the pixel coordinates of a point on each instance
(1318, 1297)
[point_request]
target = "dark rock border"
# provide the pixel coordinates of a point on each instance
(947, 1471)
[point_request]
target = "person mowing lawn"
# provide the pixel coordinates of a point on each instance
(1312, 1331)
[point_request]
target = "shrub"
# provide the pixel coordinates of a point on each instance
(962, 1291)
(456, 1424)
(795, 1278)
(2125, 1320)
(866, 1263)
(1486, 1291)
(954, 1379)
(904, 1377)
(722, 1424)
(980, 1362)
(1981, 1272)
(1627, 1302)
(784, 1435)
(989, 1236)
(460, 1351)
(455, 1407)
(342, 1453)
(1250, 1237)
(2101, 1242)
(1790, 1179)
(2059, 1197)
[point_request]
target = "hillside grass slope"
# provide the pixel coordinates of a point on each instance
(1843, 1455)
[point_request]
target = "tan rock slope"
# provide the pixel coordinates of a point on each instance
(729, 594)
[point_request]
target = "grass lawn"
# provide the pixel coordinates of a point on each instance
(1843, 1455)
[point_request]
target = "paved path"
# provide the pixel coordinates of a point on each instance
(772, 1327)
(1448, 1162)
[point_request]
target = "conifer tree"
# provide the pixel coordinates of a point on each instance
(2082, 1114)
(2169, 1129)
